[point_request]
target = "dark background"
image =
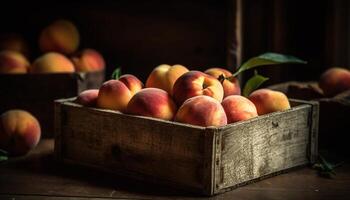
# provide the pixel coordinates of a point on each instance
(139, 35)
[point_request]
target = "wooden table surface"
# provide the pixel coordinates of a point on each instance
(37, 176)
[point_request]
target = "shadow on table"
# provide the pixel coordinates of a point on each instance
(45, 166)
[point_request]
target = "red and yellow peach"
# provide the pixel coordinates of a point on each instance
(88, 97)
(231, 87)
(268, 101)
(60, 36)
(13, 62)
(116, 94)
(195, 83)
(19, 132)
(202, 111)
(164, 77)
(88, 60)
(152, 102)
(334, 81)
(52, 63)
(238, 108)
(14, 42)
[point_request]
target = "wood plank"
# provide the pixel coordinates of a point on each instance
(135, 146)
(265, 145)
(37, 175)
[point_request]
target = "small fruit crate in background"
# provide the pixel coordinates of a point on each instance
(36, 93)
(334, 112)
(203, 160)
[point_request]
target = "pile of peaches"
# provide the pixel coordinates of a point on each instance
(177, 94)
(19, 130)
(58, 43)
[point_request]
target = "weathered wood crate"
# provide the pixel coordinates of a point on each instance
(201, 160)
(334, 113)
(36, 93)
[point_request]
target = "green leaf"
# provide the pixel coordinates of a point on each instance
(325, 168)
(253, 83)
(268, 59)
(3, 155)
(3, 158)
(326, 164)
(116, 73)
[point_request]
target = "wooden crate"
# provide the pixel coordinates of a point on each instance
(36, 93)
(334, 113)
(201, 160)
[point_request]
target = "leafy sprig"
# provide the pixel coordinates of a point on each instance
(325, 168)
(268, 58)
(253, 83)
(3, 155)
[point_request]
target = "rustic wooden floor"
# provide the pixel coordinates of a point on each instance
(37, 176)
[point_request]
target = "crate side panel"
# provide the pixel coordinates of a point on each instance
(264, 146)
(124, 143)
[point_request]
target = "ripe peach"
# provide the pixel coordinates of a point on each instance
(88, 97)
(14, 42)
(60, 36)
(152, 102)
(334, 81)
(267, 101)
(195, 83)
(238, 108)
(202, 111)
(88, 60)
(52, 63)
(164, 77)
(132, 82)
(116, 94)
(231, 87)
(13, 62)
(19, 132)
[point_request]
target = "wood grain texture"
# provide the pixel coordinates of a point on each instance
(202, 160)
(333, 113)
(36, 93)
(37, 176)
(133, 145)
(264, 145)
